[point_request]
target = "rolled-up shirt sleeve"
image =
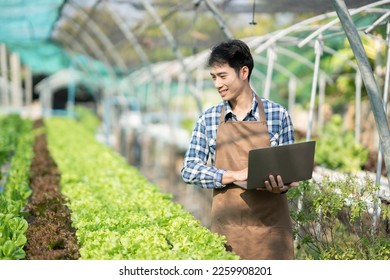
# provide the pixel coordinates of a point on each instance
(195, 169)
(287, 129)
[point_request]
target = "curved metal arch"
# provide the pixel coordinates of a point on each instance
(81, 48)
(89, 41)
(270, 70)
(101, 36)
(302, 59)
(335, 53)
(276, 36)
(271, 38)
(174, 46)
(310, 64)
(141, 77)
(69, 38)
(196, 60)
(380, 20)
(280, 68)
(221, 22)
(86, 38)
(262, 43)
(361, 30)
(337, 20)
(130, 37)
(159, 70)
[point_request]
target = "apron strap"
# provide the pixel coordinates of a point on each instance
(261, 111)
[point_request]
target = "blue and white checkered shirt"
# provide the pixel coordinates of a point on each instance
(196, 169)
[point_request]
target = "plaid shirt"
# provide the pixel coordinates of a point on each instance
(196, 169)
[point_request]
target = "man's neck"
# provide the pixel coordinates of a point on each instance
(242, 104)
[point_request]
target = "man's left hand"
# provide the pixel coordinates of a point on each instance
(277, 186)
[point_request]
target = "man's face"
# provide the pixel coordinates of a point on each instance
(228, 83)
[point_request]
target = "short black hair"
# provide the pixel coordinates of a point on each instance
(235, 53)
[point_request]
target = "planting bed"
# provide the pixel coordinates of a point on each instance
(66, 196)
(50, 234)
(117, 212)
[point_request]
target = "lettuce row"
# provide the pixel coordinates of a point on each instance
(17, 147)
(117, 212)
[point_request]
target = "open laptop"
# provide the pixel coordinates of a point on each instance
(293, 162)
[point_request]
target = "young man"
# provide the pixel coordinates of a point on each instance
(256, 222)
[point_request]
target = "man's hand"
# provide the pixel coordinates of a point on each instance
(277, 186)
(232, 176)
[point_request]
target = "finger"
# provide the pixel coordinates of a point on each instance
(272, 181)
(280, 181)
(274, 188)
(268, 186)
(293, 185)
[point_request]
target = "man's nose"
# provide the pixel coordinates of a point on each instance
(217, 83)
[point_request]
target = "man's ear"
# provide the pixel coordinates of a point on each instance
(244, 72)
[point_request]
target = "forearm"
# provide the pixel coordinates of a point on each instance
(202, 175)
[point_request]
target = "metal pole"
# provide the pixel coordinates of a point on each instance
(70, 106)
(16, 82)
(358, 104)
(107, 117)
(4, 73)
(318, 53)
(321, 101)
(376, 211)
(28, 85)
(292, 88)
(385, 97)
(368, 79)
(270, 69)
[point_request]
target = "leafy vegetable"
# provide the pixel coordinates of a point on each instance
(16, 142)
(337, 149)
(117, 212)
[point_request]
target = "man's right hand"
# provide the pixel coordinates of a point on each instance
(233, 176)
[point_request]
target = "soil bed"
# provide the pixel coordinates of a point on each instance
(50, 235)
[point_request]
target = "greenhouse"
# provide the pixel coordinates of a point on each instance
(99, 100)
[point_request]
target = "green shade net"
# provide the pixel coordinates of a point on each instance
(41, 56)
(26, 27)
(28, 20)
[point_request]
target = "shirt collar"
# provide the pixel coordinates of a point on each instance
(253, 112)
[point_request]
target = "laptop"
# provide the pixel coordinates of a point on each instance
(293, 162)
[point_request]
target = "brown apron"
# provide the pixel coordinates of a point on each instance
(257, 224)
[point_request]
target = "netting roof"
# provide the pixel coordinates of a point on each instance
(48, 34)
(26, 27)
(28, 20)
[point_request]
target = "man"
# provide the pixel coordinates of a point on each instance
(256, 222)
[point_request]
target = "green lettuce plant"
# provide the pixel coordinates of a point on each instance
(16, 140)
(336, 148)
(117, 212)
